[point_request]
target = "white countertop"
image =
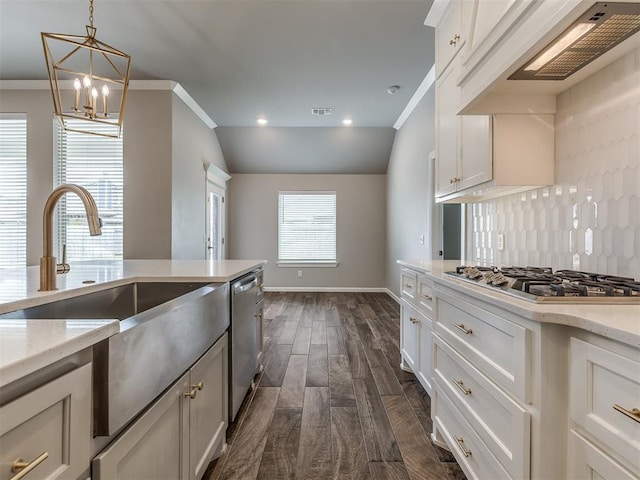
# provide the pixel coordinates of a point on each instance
(28, 345)
(618, 322)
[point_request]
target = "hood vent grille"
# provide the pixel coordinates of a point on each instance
(605, 26)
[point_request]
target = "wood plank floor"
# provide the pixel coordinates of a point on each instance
(332, 402)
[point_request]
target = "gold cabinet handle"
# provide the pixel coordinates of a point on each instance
(454, 40)
(199, 385)
(25, 467)
(259, 314)
(413, 320)
(451, 180)
(192, 394)
(428, 297)
(460, 385)
(460, 442)
(408, 285)
(462, 328)
(633, 414)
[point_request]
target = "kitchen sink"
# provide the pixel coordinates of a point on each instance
(117, 302)
(164, 328)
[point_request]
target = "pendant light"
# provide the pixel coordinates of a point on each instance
(89, 81)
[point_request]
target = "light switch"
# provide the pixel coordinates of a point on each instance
(500, 238)
(422, 239)
(299, 273)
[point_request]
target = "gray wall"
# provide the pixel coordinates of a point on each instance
(160, 135)
(409, 193)
(253, 229)
(194, 147)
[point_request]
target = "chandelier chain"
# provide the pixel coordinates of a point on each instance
(91, 13)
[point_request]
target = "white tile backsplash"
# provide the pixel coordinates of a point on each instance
(589, 220)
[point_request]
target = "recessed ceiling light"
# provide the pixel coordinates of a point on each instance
(393, 89)
(262, 121)
(347, 122)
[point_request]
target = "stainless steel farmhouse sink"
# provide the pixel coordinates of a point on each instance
(164, 328)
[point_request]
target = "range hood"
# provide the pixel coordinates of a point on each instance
(598, 30)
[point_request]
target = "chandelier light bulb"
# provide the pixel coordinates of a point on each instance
(105, 94)
(86, 81)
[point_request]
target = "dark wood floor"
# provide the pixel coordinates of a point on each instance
(332, 402)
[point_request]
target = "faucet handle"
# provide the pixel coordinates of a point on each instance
(63, 267)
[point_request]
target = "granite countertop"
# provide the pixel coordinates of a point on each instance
(28, 345)
(618, 322)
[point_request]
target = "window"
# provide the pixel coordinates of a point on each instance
(94, 162)
(307, 227)
(13, 190)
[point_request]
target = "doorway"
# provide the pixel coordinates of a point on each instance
(215, 222)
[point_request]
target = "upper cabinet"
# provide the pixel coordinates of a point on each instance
(451, 33)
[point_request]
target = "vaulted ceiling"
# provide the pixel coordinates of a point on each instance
(244, 59)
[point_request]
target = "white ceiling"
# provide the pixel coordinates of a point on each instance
(240, 59)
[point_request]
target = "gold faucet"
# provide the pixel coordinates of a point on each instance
(48, 261)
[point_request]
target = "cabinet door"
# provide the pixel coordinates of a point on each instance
(487, 16)
(588, 461)
(475, 151)
(409, 335)
(50, 428)
(447, 129)
(449, 36)
(425, 354)
(154, 446)
(208, 408)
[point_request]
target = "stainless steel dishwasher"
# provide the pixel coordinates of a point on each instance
(245, 344)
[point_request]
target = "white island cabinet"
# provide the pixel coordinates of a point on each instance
(180, 433)
(45, 433)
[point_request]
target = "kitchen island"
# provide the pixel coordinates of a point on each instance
(97, 388)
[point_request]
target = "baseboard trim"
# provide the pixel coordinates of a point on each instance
(328, 289)
(393, 295)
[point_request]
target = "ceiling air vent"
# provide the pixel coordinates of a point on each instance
(599, 29)
(321, 111)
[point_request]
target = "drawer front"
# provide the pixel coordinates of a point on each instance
(501, 423)
(50, 426)
(588, 461)
(470, 452)
(425, 296)
(408, 285)
(495, 345)
(604, 385)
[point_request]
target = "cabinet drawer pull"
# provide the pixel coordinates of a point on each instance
(428, 297)
(192, 394)
(460, 442)
(25, 467)
(199, 385)
(462, 328)
(413, 320)
(460, 385)
(408, 285)
(633, 414)
(454, 40)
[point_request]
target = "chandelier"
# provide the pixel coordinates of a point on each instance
(89, 81)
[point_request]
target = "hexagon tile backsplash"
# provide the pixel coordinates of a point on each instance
(589, 220)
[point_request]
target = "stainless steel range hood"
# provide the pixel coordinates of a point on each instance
(598, 30)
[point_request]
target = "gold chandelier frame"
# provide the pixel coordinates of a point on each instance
(75, 89)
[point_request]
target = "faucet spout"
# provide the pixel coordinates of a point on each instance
(48, 261)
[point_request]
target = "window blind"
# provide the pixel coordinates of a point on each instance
(96, 163)
(307, 226)
(13, 190)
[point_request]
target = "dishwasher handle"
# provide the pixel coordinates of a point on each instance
(244, 287)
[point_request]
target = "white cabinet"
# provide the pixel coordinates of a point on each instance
(415, 325)
(480, 156)
(588, 461)
(47, 430)
(180, 433)
(604, 406)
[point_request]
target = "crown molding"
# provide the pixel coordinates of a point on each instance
(424, 87)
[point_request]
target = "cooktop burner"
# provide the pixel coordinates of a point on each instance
(542, 284)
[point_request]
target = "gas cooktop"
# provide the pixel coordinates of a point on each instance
(542, 285)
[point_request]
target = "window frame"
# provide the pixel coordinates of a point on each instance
(61, 139)
(307, 262)
(19, 261)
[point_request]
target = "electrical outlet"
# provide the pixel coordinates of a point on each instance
(500, 241)
(299, 273)
(422, 239)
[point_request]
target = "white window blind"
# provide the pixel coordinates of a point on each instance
(94, 162)
(307, 227)
(13, 190)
